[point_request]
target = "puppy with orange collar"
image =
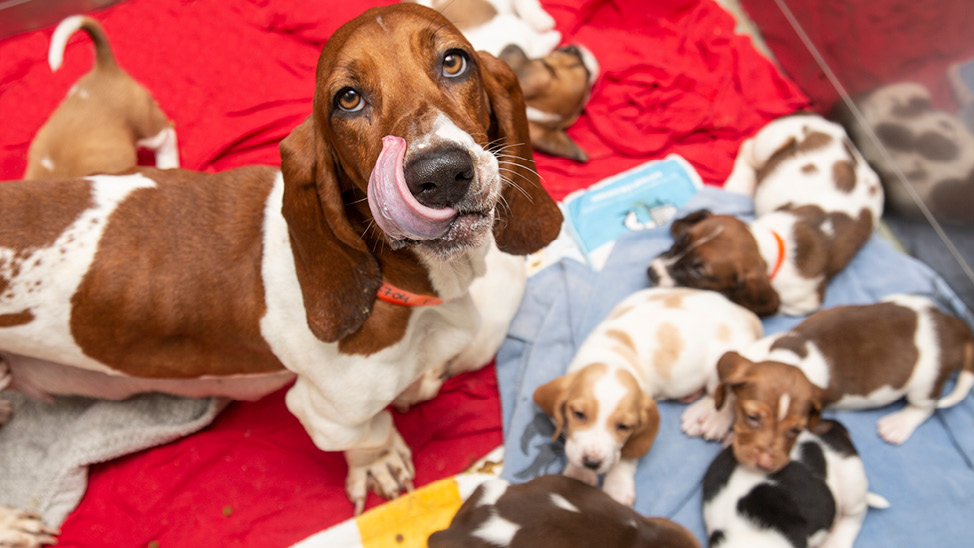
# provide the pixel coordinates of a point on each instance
(817, 202)
(104, 119)
(655, 344)
(847, 357)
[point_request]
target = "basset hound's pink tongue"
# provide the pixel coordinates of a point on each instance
(393, 206)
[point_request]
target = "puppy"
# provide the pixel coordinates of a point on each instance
(556, 88)
(819, 499)
(104, 119)
(491, 25)
(848, 357)
(816, 201)
(554, 511)
(655, 344)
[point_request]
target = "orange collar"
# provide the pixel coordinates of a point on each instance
(392, 294)
(781, 255)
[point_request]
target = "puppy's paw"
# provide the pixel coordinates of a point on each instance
(703, 419)
(387, 472)
(897, 427)
(621, 488)
(19, 529)
(538, 19)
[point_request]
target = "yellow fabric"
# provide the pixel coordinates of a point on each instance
(406, 522)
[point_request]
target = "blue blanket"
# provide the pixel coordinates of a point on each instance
(929, 480)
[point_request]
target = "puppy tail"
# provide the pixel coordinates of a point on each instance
(965, 380)
(104, 57)
(876, 501)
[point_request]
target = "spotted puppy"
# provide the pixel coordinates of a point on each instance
(554, 511)
(816, 201)
(848, 357)
(655, 344)
(105, 118)
(820, 498)
(556, 88)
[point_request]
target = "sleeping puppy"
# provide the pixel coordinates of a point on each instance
(655, 344)
(554, 511)
(491, 25)
(556, 88)
(816, 202)
(819, 499)
(848, 357)
(105, 118)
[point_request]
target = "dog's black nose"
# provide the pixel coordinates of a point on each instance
(591, 464)
(440, 178)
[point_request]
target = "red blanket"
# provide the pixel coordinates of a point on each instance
(237, 77)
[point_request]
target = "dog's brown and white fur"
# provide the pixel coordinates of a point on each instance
(556, 88)
(553, 511)
(816, 202)
(491, 25)
(105, 118)
(236, 283)
(655, 344)
(848, 357)
(819, 499)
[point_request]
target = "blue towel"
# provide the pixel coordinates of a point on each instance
(929, 481)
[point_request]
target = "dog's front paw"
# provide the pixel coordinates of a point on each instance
(703, 419)
(387, 472)
(621, 488)
(19, 529)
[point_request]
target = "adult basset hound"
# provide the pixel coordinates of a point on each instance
(411, 178)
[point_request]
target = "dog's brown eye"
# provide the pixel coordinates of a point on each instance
(349, 100)
(454, 64)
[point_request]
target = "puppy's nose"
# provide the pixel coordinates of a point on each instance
(590, 463)
(440, 178)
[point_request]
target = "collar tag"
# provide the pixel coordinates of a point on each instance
(392, 294)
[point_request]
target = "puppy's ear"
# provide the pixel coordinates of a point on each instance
(754, 292)
(527, 218)
(556, 142)
(338, 275)
(816, 424)
(681, 225)
(551, 398)
(732, 370)
(643, 436)
(514, 56)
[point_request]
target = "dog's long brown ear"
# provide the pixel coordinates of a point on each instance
(643, 436)
(338, 276)
(528, 219)
(550, 397)
(754, 292)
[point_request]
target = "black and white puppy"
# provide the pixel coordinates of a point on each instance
(819, 499)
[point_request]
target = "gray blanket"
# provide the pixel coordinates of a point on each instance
(45, 449)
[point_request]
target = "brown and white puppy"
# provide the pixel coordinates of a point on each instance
(105, 118)
(816, 202)
(655, 344)
(848, 357)
(491, 25)
(348, 272)
(554, 511)
(556, 88)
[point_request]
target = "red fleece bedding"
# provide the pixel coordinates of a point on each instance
(237, 77)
